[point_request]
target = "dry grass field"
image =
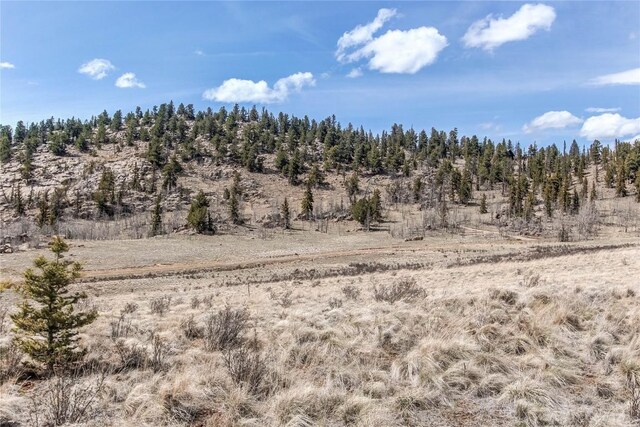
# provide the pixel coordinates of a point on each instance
(306, 329)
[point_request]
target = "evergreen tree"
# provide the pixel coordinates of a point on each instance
(170, 173)
(353, 187)
(295, 168)
(483, 204)
(637, 185)
(466, 186)
(285, 212)
(575, 203)
(156, 219)
(621, 188)
(199, 217)
(361, 212)
(307, 203)
(105, 195)
(116, 121)
(5, 149)
(234, 208)
(376, 206)
(18, 203)
(46, 324)
(42, 217)
(593, 196)
(316, 177)
(548, 199)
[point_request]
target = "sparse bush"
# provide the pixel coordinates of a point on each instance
(580, 419)
(224, 329)
(65, 399)
(160, 305)
(335, 302)
(10, 357)
(130, 308)
(404, 289)
(132, 356)
(563, 234)
(190, 328)
(351, 292)
(120, 328)
(283, 299)
(246, 368)
(531, 280)
(195, 302)
(159, 351)
(587, 219)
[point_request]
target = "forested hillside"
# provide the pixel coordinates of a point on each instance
(212, 170)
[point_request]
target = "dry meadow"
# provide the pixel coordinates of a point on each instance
(304, 328)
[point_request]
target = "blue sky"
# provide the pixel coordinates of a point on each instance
(543, 72)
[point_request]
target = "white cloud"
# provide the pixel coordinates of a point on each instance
(7, 65)
(629, 77)
(602, 110)
(128, 80)
(199, 52)
(609, 126)
(238, 90)
(405, 52)
(363, 33)
(490, 32)
(96, 68)
(552, 120)
(396, 51)
(355, 73)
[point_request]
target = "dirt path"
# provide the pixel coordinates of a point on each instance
(514, 250)
(479, 231)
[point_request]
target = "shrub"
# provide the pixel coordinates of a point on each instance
(160, 305)
(224, 329)
(190, 328)
(404, 289)
(246, 368)
(335, 302)
(132, 356)
(351, 292)
(65, 400)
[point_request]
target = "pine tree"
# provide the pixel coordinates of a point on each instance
(46, 324)
(353, 187)
(170, 172)
(361, 212)
(285, 212)
(585, 188)
(575, 203)
(5, 149)
(18, 203)
(307, 203)
(42, 217)
(529, 205)
(234, 207)
(199, 217)
(376, 206)
(637, 185)
(621, 188)
(548, 199)
(156, 219)
(593, 196)
(483, 204)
